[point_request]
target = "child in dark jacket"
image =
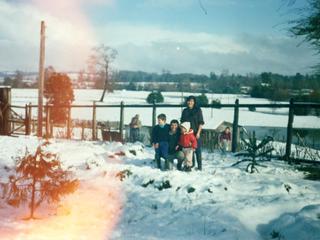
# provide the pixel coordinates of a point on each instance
(174, 136)
(160, 138)
(188, 144)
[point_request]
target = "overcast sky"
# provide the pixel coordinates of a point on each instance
(243, 36)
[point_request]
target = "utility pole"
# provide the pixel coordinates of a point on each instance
(41, 78)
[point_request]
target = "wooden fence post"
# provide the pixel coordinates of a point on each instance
(82, 130)
(235, 127)
(51, 128)
(30, 118)
(121, 120)
(94, 121)
(26, 119)
(33, 125)
(47, 121)
(69, 123)
(154, 113)
(289, 130)
(5, 113)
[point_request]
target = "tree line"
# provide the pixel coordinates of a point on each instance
(265, 85)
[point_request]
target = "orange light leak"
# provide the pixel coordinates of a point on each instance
(91, 212)
(94, 209)
(70, 32)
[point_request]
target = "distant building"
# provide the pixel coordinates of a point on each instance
(265, 84)
(245, 89)
(301, 92)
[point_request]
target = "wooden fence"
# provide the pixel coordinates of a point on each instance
(28, 123)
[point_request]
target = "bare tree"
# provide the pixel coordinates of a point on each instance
(102, 57)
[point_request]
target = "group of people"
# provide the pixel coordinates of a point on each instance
(179, 140)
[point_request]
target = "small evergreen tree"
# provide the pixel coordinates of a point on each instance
(132, 86)
(39, 177)
(59, 91)
(202, 100)
(155, 97)
(216, 102)
(255, 152)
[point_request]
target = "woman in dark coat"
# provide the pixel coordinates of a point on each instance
(193, 114)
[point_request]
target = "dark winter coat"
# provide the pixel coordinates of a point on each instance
(188, 140)
(173, 141)
(194, 116)
(160, 134)
(135, 123)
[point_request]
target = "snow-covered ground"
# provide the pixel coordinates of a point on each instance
(221, 202)
(262, 117)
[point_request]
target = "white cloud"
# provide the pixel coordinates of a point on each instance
(152, 48)
(141, 47)
(165, 56)
(118, 34)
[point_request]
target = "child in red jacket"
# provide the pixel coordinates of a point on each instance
(225, 140)
(188, 144)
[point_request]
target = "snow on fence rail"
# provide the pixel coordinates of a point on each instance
(29, 124)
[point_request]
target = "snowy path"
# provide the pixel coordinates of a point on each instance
(219, 203)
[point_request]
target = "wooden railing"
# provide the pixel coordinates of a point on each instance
(235, 126)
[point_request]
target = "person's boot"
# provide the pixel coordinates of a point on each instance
(158, 162)
(180, 156)
(179, 165)
(187, 168)
(167, 164)
(199, 162)
(170, 165)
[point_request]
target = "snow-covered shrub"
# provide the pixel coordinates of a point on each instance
(39, 177)
(155, 97)
(217, 102)
(254, 151)
(202, 100)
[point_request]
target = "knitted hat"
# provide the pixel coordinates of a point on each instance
(186, 125)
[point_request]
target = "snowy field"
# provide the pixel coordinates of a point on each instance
(221, 202)
(262, 117)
